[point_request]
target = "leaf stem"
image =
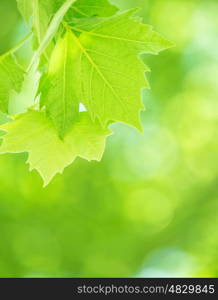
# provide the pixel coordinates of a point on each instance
(51, 31)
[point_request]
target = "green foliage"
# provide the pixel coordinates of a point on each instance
(89, 55)
(48, 154)
(41, 12)
(150, 207)
(110, 74)
(11, 78)
(58, 88)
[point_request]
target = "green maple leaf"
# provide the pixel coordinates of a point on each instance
(32, 132)
(11, 78)
(57, 86)
(110, 74)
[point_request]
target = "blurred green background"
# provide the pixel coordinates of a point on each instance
(150, 208)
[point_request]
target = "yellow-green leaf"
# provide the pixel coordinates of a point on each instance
(34, 133)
